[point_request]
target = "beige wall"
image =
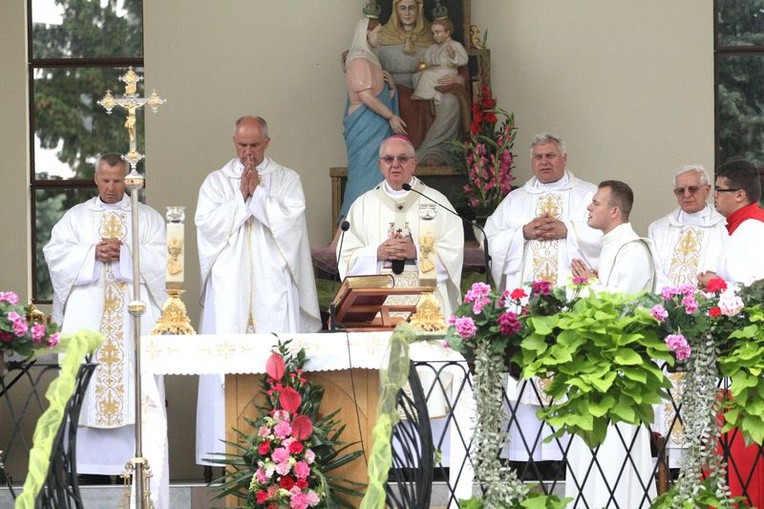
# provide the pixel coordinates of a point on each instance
(628, 84)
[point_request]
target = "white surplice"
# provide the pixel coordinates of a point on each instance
(257, 274)
(742, 256)
(371, 217)
(89, 294)
(626, 266)
(517, 261)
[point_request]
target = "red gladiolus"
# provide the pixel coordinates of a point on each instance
(275, 367)
(264, 448)
(296, 447)
(286, 482)
(302, 427)
(262, 496)
(301, 483)
(290, 400)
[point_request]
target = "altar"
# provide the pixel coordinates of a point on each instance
(334, 355)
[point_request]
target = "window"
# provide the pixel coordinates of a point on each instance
(77, 50)
(739, 62)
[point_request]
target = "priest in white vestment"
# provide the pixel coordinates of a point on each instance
(626, 266)
(532, 236)
(386, 222)
(90, 261)
(254, 255)
(688, 241)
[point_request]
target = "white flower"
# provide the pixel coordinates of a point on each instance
(730, 303)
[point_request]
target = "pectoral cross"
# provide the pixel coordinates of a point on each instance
(131, 102)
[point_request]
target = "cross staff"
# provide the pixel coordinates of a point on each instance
(131, 102)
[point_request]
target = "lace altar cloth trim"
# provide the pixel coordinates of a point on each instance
(247, 353)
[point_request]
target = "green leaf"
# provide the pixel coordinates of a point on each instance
(627, 357)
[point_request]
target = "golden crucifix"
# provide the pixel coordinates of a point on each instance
(131, 102)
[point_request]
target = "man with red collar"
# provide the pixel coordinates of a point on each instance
(736, 195)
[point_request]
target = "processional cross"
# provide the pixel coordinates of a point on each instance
(131, 102)
(138, 467)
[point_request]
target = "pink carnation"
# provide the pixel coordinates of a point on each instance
(282, 430)
(309, 456)
(264, 431)
(301, 469)
(280, 454)
(465, 327)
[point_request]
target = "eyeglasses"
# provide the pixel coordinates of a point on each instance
(679, 191)
(726, 190)
(402, 159)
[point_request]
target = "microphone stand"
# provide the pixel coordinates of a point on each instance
(344, 226)
(486, 254)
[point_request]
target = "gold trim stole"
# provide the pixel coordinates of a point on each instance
(109, 388)
(545, 254)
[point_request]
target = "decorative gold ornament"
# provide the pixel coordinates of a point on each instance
(428, 316)
(174, 319)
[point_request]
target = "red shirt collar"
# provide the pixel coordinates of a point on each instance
(750, 211)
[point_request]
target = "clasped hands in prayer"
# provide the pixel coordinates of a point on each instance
(107, 250)
(250, 179)
(545, 227)
(398, 247)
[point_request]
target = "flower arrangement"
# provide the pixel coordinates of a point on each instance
(487, 154)
(23, 329)
(714, 333)
(488, 329)
(286, 460)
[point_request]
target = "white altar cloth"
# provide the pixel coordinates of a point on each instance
(246, 354)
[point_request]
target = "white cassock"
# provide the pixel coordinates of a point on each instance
(517, 261)
(742, 256)
(685, 245)
(371, 218)
(626, 266)
(89, 294)
(257, 274)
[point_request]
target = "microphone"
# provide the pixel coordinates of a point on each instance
(486, 254)
(344, 226)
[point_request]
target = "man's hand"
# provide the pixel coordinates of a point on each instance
(705, 277)
(579, 268)
(398, 247)
(249, 179)
(545, 227)
(107, 250)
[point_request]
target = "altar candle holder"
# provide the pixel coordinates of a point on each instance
(174, 319)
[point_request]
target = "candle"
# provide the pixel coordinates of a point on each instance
(175, 246)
